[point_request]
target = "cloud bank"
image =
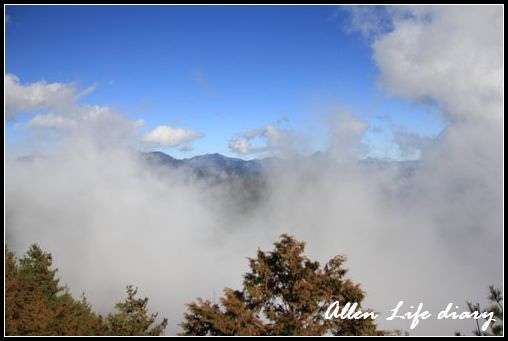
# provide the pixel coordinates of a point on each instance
(21, 98)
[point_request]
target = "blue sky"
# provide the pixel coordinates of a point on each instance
(217, 70)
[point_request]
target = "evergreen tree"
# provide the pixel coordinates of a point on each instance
(36, 304)
(132, 317)
(32, 293)
(11, 293)
(285, 293)
(496, 306)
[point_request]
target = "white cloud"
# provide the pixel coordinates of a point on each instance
(452, 54)
(19, 98)
(240, 146)
(347, 131)
(411, 144)
(274, 139)
(370, 21)
(53, 107)
(166, 136)
(51, 121)
(98, 122)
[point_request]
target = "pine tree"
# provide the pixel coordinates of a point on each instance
(36, 304)
(285, 293)
(132, 317)
(12, 308)
(496, 299)
(32, 293)
(496, 307)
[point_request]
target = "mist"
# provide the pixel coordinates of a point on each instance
(433, 236)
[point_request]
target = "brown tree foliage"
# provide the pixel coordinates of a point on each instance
(132, 317)
(285, 293)
(36, 304)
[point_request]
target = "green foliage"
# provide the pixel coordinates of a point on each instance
(285, 293)
(35, 304)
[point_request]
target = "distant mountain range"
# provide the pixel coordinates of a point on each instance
(220, 166)
(208, 165)
(217, 166)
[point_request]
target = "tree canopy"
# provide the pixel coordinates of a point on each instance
(36, 304)
(284, 293)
